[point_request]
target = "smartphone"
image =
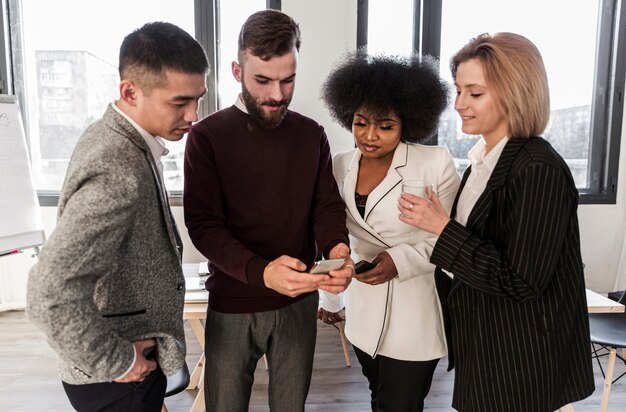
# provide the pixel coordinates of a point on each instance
(325, 266)
(363, 266)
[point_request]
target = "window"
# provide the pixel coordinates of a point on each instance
(232, 15)
(381, 17)
(66, 80)
(64, 69)
(586, 80)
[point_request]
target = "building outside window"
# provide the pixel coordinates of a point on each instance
(64, 80)
(69, 72)
(64, 69)
(579, 44)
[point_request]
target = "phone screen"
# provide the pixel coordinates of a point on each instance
(325, 266)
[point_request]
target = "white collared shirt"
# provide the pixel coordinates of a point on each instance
(239, 104)
(482, 167)
(155, 143)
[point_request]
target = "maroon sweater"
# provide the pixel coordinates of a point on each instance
(253, 194)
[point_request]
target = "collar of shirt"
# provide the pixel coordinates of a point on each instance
(479, 159)
(155, 143)
(239, 104)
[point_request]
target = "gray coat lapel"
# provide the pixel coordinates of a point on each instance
(118, 123)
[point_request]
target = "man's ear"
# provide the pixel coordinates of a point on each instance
(236, 69)
(128, 92)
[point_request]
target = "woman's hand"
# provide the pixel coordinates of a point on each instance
(331, 318)
(427, 215)
(384, 271)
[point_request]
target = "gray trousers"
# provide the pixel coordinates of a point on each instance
(235, 342)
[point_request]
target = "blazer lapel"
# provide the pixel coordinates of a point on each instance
(348, 189)
(481, 211)
(482, 208)
(391, 180)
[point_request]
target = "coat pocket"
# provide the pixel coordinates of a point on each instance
(117, 315)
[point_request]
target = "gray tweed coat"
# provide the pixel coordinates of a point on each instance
(110, 272)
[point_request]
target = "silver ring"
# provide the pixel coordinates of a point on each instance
(411, 207)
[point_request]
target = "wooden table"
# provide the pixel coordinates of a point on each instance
(194, 313)
(597, 303)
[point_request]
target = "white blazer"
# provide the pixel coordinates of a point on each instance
(400, 319)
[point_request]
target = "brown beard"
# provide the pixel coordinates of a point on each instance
(270, 121)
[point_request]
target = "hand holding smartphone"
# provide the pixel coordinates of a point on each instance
(363, 266)
(322, 267)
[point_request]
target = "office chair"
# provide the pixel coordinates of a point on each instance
(608, 330)
(176, 383)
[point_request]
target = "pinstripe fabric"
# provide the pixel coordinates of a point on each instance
(516, 309)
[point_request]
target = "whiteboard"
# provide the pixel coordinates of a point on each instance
(20, 217)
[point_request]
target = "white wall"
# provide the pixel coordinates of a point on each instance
(328, 31)
(603, 233)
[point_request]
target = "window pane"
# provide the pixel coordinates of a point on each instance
(232, 16)
(390, 29)
(71, 73)
(569, 58)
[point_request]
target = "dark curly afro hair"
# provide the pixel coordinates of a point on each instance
(409, 86)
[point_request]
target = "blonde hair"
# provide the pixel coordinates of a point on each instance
(515, 72)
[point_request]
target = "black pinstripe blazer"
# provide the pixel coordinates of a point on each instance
(516, 311)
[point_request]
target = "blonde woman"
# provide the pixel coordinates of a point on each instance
(518, 315)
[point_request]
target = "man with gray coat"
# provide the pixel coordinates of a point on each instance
(108, 290)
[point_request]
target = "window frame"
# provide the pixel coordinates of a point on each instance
(206, 19)
(607, 107)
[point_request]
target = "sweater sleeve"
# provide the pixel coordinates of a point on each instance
(328, 210)
(205, 215)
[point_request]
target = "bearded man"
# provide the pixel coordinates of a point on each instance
(260, 203)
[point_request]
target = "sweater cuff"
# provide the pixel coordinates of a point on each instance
(331, 245)
(449, 244)
(254, 271)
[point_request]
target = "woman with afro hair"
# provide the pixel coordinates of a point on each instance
(393, 318)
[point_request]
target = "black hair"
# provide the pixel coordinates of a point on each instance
(158, 46)
(409, 86)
